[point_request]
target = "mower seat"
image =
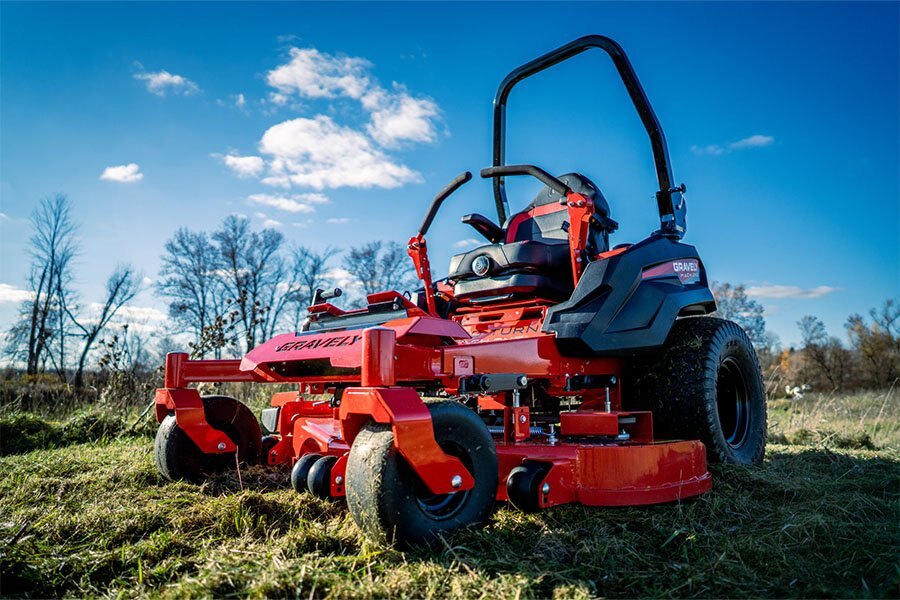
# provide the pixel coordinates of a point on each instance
(533, 258)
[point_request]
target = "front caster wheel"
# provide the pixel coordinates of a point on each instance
(523, 486)
(318, 480)
(301, 471)
(177, 457)
(392, 505)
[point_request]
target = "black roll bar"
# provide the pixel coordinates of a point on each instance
(669, 200)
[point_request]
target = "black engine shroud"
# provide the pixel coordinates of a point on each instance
(618, 309)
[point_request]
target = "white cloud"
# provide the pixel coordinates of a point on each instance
(243, 166)
(129, 173)
(3, 216)
(240, 101)
(466, 243)
(278, 99)
(789, 291)
(401, 118)
(285, 203)
(754, 141)
(135, 313)
(161, 82)
(343, 279)
(319, 153)
(302, 224)
(315, 74)
(313, 198)
(337, 220)
(271, 223)
(146, 281)
(9, 293)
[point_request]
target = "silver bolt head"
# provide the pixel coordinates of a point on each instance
(521, 418)
(545, 489)
(339, 480)
(456, 482)
(221, 445)
(523, 380)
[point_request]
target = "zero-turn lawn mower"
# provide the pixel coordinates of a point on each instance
(563, 370)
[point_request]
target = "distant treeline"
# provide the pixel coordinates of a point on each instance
(229, 289)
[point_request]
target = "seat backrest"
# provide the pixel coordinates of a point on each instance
(546, 220)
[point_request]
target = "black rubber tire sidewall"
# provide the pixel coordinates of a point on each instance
(318, 480)
(300, 471)
(380, 484)
(522, 487)
(679, 385)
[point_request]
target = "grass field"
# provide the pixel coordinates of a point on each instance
(84, 513)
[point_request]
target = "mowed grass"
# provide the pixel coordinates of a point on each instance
(820, 518)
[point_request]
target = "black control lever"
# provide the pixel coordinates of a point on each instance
(439, 199)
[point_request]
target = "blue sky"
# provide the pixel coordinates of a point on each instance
(338, 123)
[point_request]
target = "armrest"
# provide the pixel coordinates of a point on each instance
(487, 228)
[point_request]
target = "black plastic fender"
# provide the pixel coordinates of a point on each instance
(615, 310)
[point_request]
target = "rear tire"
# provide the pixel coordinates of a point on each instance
(706, 385)
(389, 502)
(177, 457)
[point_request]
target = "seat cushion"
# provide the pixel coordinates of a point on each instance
(518, 256)
(528, 267)
(512, 284)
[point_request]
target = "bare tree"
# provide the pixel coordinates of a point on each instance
(255, 276)
(190, 277)
(733, 303)
(39, 336)
(311, 270)
(121, 287)
(380, 267)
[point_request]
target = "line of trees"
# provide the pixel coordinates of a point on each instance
(54, 332)
(823, 362)
(871, 359)
(234, 287)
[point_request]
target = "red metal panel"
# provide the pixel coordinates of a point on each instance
(413, 433)
(378, 357)
(190, 417)
(589, 422)
(613, 474)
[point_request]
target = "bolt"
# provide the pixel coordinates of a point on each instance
(221, 445)
(339, 480)
(521, 418)
(612, 380)
(456, 481)
(545, 489)
(523, 380)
